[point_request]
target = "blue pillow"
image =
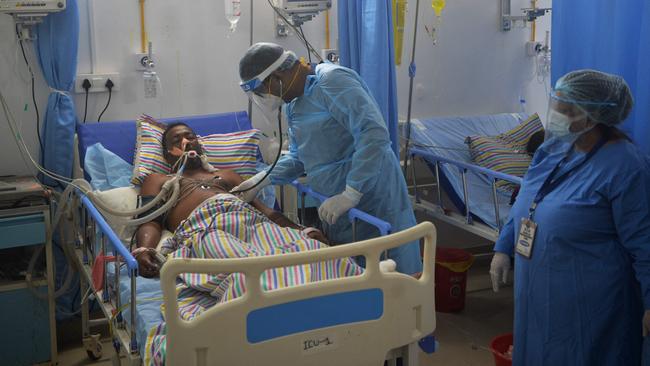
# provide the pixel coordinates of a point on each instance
(106, 169)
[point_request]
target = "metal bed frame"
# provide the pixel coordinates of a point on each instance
(93, 235)
(465, 221)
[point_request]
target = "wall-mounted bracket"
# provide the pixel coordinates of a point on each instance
(530, 14)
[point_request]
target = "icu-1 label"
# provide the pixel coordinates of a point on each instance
(319, 344)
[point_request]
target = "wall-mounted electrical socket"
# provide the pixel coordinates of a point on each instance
(97, 82)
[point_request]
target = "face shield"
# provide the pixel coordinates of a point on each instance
(268, 105)
(568, 119)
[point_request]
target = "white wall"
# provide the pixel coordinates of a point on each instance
(474, 69)
(15, 84)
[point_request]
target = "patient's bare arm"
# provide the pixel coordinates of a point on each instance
(148, 234)
(283, 221)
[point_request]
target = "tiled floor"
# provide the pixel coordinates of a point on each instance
(465, 337)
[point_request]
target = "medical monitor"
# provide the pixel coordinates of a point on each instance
(31, 6)
(300, 11)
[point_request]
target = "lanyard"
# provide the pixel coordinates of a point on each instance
(550, 184)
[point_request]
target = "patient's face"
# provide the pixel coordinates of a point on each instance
(179, 139)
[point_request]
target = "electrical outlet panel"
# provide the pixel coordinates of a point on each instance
(97, 82)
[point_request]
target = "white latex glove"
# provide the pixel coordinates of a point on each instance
(335, 206)
(499, 269)
(250, 194)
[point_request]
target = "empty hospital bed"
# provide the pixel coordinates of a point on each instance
(360, 320)
(478, 206)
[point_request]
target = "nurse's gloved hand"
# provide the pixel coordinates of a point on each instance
(499, 269)
(335, 206)
(245, 190)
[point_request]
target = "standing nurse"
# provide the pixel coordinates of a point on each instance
(338, 137)
(580, 233)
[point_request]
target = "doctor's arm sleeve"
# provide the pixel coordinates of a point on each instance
(289, 167)
(506, 242)
(631, 212)
(351, 104)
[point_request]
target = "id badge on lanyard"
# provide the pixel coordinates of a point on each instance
(526, 237)
(528, 227)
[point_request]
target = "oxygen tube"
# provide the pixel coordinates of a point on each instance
(169, 192)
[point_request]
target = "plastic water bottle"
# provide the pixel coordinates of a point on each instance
(233, 13)
(150, 84)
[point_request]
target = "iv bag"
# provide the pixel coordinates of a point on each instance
(233, 12)
(437, 6)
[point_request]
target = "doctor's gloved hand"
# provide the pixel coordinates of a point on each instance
(499, 269)
(335, 206)
(245, 190)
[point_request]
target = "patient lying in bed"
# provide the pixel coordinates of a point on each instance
(209, 222)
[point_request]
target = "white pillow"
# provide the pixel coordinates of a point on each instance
(124, 198)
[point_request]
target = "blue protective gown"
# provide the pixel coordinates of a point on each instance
(579, 299)
(337, 136)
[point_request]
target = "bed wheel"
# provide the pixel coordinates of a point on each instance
(93, 347)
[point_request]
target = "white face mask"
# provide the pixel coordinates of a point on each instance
(269, 101)
(559, 125)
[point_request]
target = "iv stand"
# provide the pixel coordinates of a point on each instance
(250, 43)
(412, 77)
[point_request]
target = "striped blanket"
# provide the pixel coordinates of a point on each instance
(226, 227)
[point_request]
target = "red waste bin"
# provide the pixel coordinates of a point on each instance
(499, 347)
(451, 278)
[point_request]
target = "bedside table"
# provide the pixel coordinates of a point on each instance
(28, 322)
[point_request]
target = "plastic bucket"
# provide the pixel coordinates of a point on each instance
(451, 278)
(499, 347)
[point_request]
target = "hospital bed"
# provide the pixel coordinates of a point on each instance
(359, 320)
(477, 205)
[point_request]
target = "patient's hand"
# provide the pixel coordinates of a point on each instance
(147, 264)
(318, 235)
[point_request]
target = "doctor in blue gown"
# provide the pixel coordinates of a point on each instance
(582, 284)
(338, 138)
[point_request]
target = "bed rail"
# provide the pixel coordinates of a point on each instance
(109, 242)
(354, 214)
(99, 237)
(463, 168)
(398, 311)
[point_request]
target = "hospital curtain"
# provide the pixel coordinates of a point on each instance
(366, 46)
(56, 47)
(610, 36)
